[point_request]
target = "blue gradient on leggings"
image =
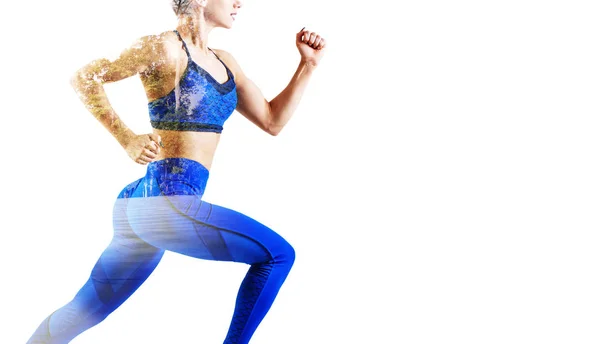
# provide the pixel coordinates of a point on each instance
(164, 211)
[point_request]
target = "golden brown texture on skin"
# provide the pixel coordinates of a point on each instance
(160, 61)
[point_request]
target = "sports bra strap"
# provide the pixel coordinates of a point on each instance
(184, 46)
(190, 56)
(217, 56)
(223, 63)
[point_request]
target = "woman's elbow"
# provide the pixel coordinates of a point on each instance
(78, 78)
(86, 76)
(74, 80)
(270, 125)
(273, 131)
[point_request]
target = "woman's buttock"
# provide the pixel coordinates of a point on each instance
(197, 146)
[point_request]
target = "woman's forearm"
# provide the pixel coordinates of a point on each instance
(286, 102)
(92, 94)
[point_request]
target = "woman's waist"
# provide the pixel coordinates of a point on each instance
(196, 146)
(187, 158)
(175, 173)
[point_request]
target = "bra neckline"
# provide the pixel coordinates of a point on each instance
(203, 70)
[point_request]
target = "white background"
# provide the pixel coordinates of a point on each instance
(439, 181)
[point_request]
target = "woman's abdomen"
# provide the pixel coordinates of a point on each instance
(197, 146)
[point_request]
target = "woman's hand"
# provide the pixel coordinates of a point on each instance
(311, 47)
(143, 148)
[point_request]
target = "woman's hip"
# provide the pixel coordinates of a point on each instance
(169, 177)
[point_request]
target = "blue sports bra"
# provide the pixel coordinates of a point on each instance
(198, 102)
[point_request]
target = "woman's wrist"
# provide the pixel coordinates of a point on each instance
(123, 135)
(308, 64)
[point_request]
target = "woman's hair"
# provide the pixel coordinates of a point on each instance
(180, 6)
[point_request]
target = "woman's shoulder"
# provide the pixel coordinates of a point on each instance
(155, 45)
(222, 52)
(230, 62)
(227, 58)
(156, 39)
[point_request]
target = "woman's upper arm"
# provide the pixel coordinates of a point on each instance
(131, 61)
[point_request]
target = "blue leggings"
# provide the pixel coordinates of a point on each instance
(164, 211)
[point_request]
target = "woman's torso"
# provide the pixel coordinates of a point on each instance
(168, 69)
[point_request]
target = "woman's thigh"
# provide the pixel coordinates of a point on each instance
(188, 225)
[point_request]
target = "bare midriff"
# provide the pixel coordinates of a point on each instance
(197, 146)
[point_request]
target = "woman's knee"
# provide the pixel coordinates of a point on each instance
(284, 253)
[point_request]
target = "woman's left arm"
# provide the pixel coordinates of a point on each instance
(272, 116)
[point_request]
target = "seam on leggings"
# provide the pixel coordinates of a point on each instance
(255, 303)
(116, 292)
(219, 228)
(242, 235)
(244, 326)
(209, 209)
(249, 238)
(98, 310)
(204, 241)
(236, 233)
(48, 324)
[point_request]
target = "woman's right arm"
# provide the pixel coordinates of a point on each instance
(88, 83)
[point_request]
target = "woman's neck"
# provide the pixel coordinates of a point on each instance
(195, 30)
